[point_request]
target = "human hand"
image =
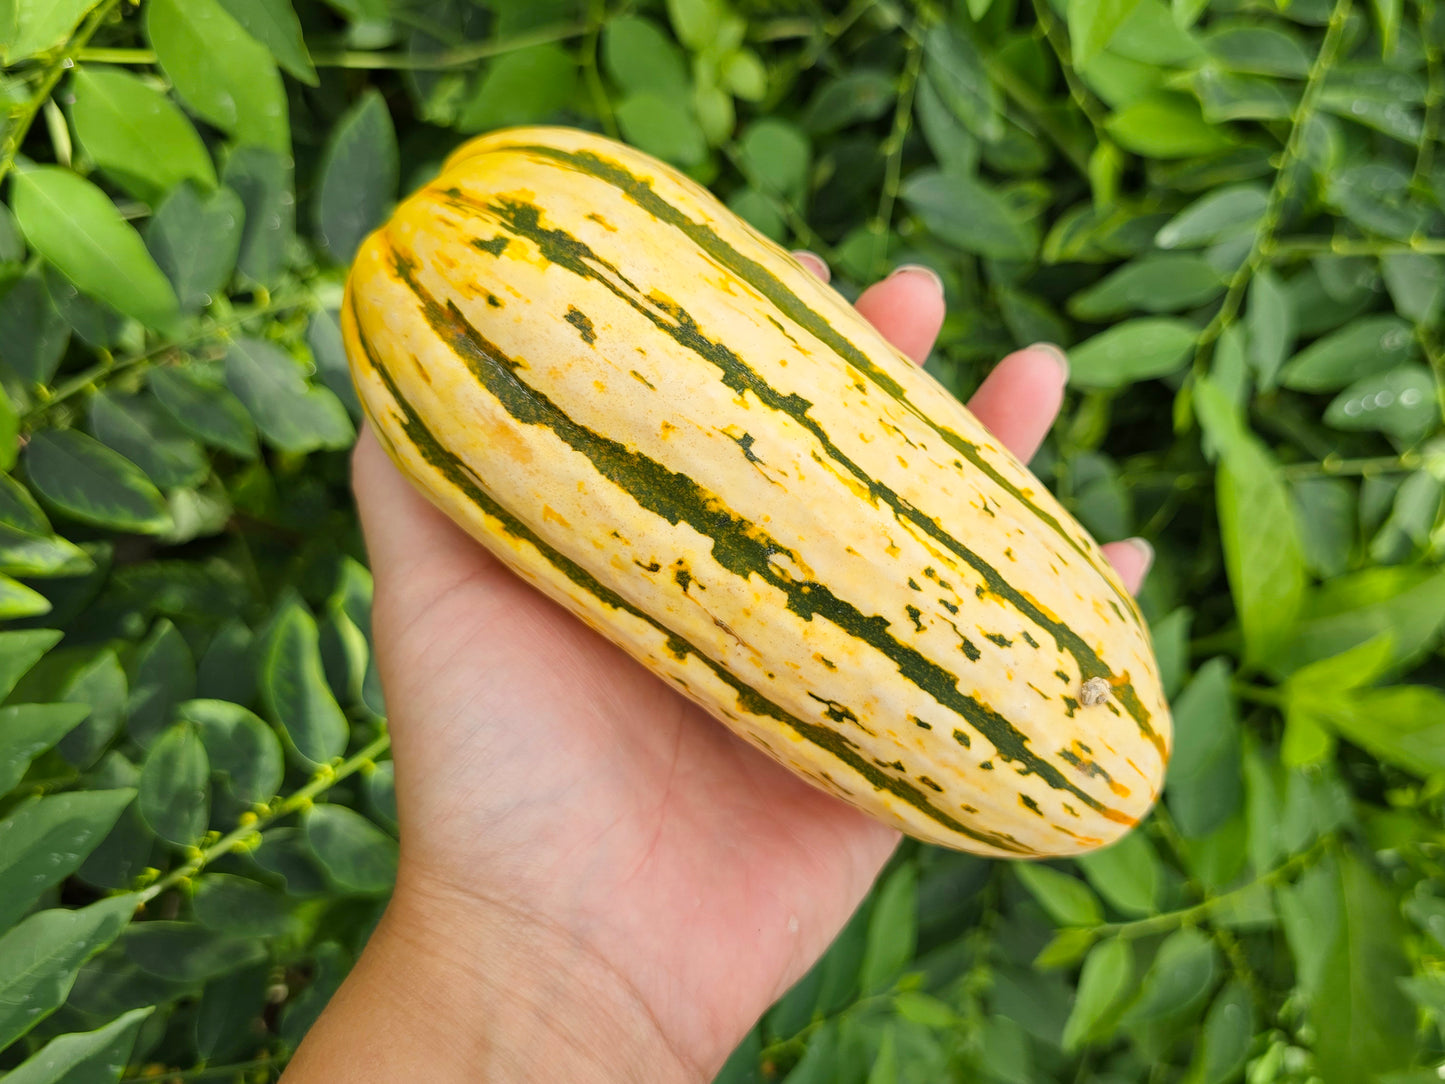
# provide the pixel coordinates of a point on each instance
(580, 841)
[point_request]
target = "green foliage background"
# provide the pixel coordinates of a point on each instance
(1230, 210)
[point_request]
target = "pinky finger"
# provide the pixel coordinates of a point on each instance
(1131, 559)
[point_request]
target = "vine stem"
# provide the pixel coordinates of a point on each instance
(274, 1061)
(1261, 249)
(64, 60)
(600, 101)
(460, 57)
(253, 823)
(1302, 247)
(1058, 41)
(902, 121)
(1434, 93)
(91, 377)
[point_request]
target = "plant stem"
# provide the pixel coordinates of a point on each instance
(590, 73)
(274, 1061)
(461, 57)
(893, 146)
(1036, 108)
(1434, 94)
(1058, 40)
(1300, 247)
(103, 55)
(1261, 249)
(252, 824)
(64, 60)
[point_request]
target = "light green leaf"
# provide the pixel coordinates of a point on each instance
(9, 432)
(1105, 985)
(1403, 725)
(136, 134)
(1183, 972)
(1269, 319)
(174, 797)
(294, 689)
(42, 24)
(1204, 786)
(1221, 214)
(1127, 874)
(1138, 349)
(892, 930)
(696, 22)
(662, 125)
(359, 175)
(775, 156)
(23, 553)
(27, 730)
(17, 600)
(1364, 347)
(195, 239)
(1401, 402)
(87, 1057)
(521, 87)
(222, 73)
(274, 24)
(1162, 283)
(1092, 23)
(1262, 551)
(744, 75)
(1066, 948)
(44, 841)
(639, 56)
(1068, 900)
(291, 415)
(967, 213)
(358, 856)
(40, 957)
(20, 649)
(87, 481)
(239, 747)
(1166, 126)
(74, 225)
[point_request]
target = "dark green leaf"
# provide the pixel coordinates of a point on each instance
(174, 793)
(291, 415)
(1225, 213)
(775, 156)
(1365, 347)
(359, 174)
(240, 906)
(19, 651)
(136, 428)
(93, 322)
(969, 214)
(274, 24)
(136, 134)
(27, 730)
(262, 178)
(860, 95)
(101, 686)
(1128, 874)
(162, 673)
(1134, 350)
(203, 407)
(87, 481)
(1401, 402)
(1067, 900)
(75, 226)
(40, 956)
(527, 85)
(195, 239)
(33, 331)
(222, 73)
(239, 746)
(1270, 321)
(187, 952)
(323, 336)
(1181, 975)
(1259, 49)
(294, 689)
(955, 71)
(90, 1057)
(225, 671)
(892, 930)
(1166, 283)
(358, 856)
(44, 841)
(1204, 787)
(1326, 511)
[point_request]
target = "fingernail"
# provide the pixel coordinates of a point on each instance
(1145, 551)
(922, 271)
(814, 263)
(1057, 353)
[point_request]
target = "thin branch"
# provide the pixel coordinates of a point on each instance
(461, 57)
(893, 147)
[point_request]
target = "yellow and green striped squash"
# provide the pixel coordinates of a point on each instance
(659, 418)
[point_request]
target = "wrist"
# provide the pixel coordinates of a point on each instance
(481, 991)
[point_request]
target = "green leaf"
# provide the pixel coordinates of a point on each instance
(1166, 126)
(262, 178)
(892, 930)
(860, 95)
(1182, 974)
(174, 797)
(1066, 948)
(696, 22)
(1269, 319)
(743, 74)
(358, 856)
(323, 336)
(1105, 984)
(954, 69)
(9, 432)
(222, 73)
(74, 225)
(1401, 403)
(1068, 900)
(1416, 283)
(294, 689)
(291, 415)
(1138, 349)
(240, 906)
(1225, 1041)
(1163, 283)
(27, 730)
(40, 957)
(162, 673)
(640, 57)
(136, 134)
(1204, 786)
(1406, 603)
(1262, 551)
(87, 481)
(100, 685)
(239, 747)
(274, 24)
(1259, 48)
(203, 407)
(44, 841)
(17, 600)
(19, 651)
(134, 426)
(1403, 725)
(1346, 934)
(1377, 197)
(967, 213)
(775, 156)
(1128, 874)
(225, 669)
(195, 239)
(521, 87)
(662, 125)
(1225, 213)
(42, 24)
(87, 1057)
(1364, 347)
(1092, 23)
(34, 332)
(93, 322)
(359, 175)
(187, 952)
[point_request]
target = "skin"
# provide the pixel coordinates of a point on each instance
(598, 881)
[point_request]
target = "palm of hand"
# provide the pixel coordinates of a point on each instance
(544, 774)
